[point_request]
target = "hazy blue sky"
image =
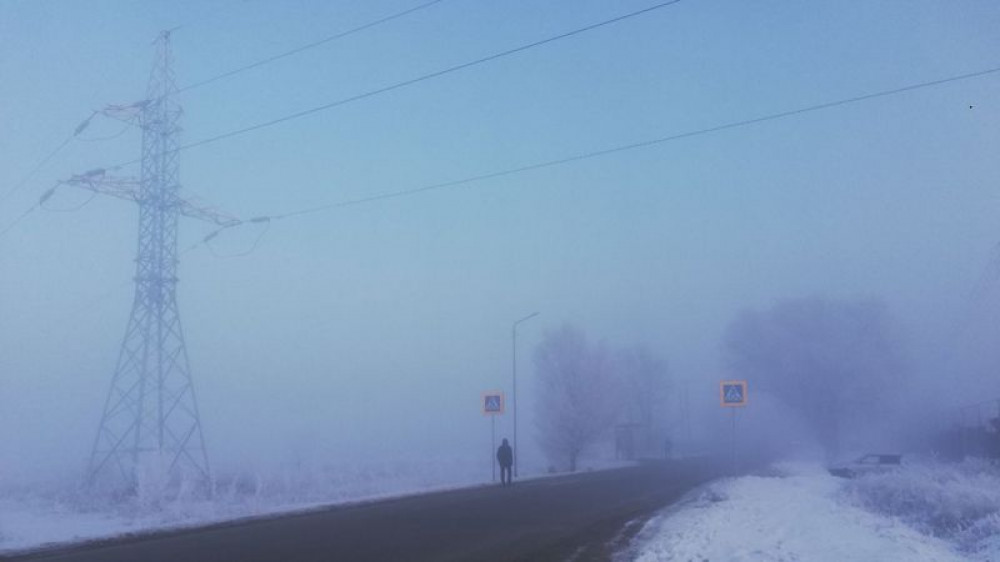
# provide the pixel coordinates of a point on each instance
(368, 329)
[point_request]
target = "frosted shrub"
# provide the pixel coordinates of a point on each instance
(937, 499)
(987, 528)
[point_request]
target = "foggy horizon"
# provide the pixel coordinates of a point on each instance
(369, 332)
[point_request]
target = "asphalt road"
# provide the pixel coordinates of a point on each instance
(579, 517)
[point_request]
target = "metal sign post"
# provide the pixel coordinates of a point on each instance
(733, 394)
(493, 406)
(732, 447)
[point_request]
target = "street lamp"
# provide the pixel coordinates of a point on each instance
(513, 347)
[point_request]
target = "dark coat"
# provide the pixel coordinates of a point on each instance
(505, 455)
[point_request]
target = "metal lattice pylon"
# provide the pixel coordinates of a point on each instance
(150, 418)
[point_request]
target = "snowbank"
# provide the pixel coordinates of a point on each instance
(797, 512)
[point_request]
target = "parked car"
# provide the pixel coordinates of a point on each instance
(868, 464)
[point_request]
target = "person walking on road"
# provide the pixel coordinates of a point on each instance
(505, 456)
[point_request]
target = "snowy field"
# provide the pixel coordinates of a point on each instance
(42, 515)
(791, 512)
(798, 512)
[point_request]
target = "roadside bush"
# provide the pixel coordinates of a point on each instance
(985, 529)
(960, 502)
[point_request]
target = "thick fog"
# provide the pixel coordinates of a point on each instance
(368, 333)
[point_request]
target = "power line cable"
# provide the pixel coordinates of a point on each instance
(582, 156)
(41, 163)
(73, 208)
(216, 78)
(411, 81)
(20, 217)
(253, 247)
(595, 154)
(80, 128)
(308, 46)
(635, 145)
(112, 136)
(55, 151)
(38, 204)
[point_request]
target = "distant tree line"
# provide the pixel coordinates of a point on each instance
(586, 389)
(834, 362)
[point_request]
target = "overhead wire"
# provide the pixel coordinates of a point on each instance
(636, 145)
(252, 249)
(45, 160)
(20, 184)
(37, 205)
(538, 165)
(412, 81)
(71, 209)
(112, 136)
(598, 153)
(20, 217)
(52, 154)
(308, 46)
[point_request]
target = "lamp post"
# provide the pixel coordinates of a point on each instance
(513, 346)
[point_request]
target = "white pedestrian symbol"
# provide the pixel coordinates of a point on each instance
(493, 403)
(734, 394)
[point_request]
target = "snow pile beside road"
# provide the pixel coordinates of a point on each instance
(797, 513)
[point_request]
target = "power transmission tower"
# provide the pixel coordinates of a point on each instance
(150, 420)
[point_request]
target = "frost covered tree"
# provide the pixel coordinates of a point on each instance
(646, 385)
(832, 361)
(578, 398)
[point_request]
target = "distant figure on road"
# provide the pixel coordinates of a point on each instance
(668, 448)
(505, 456)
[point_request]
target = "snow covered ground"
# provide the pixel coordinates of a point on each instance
(55, 513)
(48, 514)
(798, 512)
(791, 512)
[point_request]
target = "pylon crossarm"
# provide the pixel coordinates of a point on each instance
(207, 214)
(129, 189)
(129, 113)
(98, 181)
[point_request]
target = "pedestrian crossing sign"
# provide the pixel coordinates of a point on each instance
(493, 403)
(733, 393)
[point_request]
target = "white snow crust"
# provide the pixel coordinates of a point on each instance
(798, 512)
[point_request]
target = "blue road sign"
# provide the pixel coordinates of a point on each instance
(733, 393)
(493, 403)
